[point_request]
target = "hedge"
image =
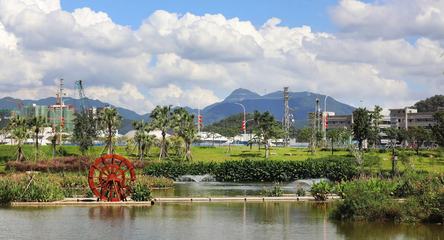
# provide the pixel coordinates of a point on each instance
(259, 170)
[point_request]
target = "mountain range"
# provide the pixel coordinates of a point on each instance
(300, 103)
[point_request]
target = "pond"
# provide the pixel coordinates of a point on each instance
(265, 220)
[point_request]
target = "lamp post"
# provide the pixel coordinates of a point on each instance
(244, 121)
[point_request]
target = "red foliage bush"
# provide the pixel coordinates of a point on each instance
(71, 163)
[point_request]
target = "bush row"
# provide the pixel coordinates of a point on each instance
(51, 187)
(60, 164)
(259, 170)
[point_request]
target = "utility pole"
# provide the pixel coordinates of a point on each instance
(61, 104)
(315, 126)
(286, 121)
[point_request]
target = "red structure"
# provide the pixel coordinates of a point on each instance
(110, 177)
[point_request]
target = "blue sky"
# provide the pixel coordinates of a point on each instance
(378, 51)
(293, 13)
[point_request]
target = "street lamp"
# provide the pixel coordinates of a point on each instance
(324, 119)
(244, 121)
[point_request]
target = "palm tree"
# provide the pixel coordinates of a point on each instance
(109, 121)
(147, 142)
(142, 137)
(161, 119)
(138, 126)
(185, 128)
(37, 124)
(18, 129)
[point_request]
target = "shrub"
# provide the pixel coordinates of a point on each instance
(75, 185)
(321, 190)
(259, 170)
(141, 191)
(29, 188)
(41, 189)
(300, 192)
(9, 190)
(276, 191)
(158, 182)
(368, 199)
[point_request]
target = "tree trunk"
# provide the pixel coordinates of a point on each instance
(142, 151)
(188, 155)
(110, 139)
(267, 150)
(162, 153)
(332, 146)
(138, 148)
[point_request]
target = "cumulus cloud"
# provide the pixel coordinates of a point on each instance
(173, 94)
(191, 60)
(391, 18)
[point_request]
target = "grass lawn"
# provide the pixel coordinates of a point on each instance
(427, 160)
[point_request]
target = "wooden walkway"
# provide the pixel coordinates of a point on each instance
(91, 202)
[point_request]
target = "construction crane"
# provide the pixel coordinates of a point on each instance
(82, 97)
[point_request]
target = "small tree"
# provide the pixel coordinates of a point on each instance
(376, 117)
(141, 137)
(37, 124)
(418, 136)
(361, 125)
(335, 135)
(85, 131)
(393, 134)
(161, 118)
(267, 128)
(185, 128)
(109, 121)
(18, 130)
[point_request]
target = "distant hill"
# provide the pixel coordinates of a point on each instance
(430, 104)
(301, 104)
(128, 115)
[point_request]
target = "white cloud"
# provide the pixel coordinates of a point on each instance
(191, 60)
(195, 97)
(128, 96)
(391, 18)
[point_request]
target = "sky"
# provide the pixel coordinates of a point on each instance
(138, 54)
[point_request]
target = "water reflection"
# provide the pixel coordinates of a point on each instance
(264, 220)
(362, 230)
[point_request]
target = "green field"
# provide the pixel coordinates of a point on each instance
(430, 160)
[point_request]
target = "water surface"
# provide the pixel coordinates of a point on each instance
(284, 220)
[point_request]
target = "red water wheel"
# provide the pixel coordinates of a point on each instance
(110, 177)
